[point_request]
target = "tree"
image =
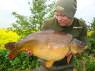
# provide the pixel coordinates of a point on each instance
(93, 25)
(40, 10)
(91, 38)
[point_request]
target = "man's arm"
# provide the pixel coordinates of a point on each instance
(82, 39)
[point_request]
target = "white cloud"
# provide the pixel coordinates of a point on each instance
(86, 9)
(20, 6)
(7, 5)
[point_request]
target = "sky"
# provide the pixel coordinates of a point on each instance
(85, 10)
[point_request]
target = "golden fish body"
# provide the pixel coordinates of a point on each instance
(47, 45)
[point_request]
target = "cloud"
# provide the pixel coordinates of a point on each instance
(86, 9)
(7, 5)
(20, 6)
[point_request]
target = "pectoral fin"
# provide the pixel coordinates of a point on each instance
(49, 64)
(69, 58)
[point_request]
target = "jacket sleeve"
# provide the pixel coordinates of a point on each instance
(83, 34)
(82, 40)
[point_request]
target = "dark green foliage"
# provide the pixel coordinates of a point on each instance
(91, 45)
(93, 24)
(91, 39)
(84, 62)
(22, 62)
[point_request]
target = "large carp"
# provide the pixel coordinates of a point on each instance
(48, 45)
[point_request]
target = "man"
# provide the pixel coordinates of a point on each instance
(64, 21)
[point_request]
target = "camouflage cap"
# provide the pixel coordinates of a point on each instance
(68, 7)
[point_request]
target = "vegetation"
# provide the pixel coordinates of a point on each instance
(86, 61)
(23, 62)
(40, 11)
(7, 36)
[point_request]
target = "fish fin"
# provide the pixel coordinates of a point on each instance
(49, 63)
(10, 45)
(69, 58)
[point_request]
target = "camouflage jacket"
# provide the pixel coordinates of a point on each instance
(78, 28)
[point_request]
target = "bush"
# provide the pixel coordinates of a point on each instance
(21, 62)
(84, 63)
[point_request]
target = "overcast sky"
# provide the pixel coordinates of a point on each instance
(86, 10)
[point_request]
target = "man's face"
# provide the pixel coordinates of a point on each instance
(62, 19)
